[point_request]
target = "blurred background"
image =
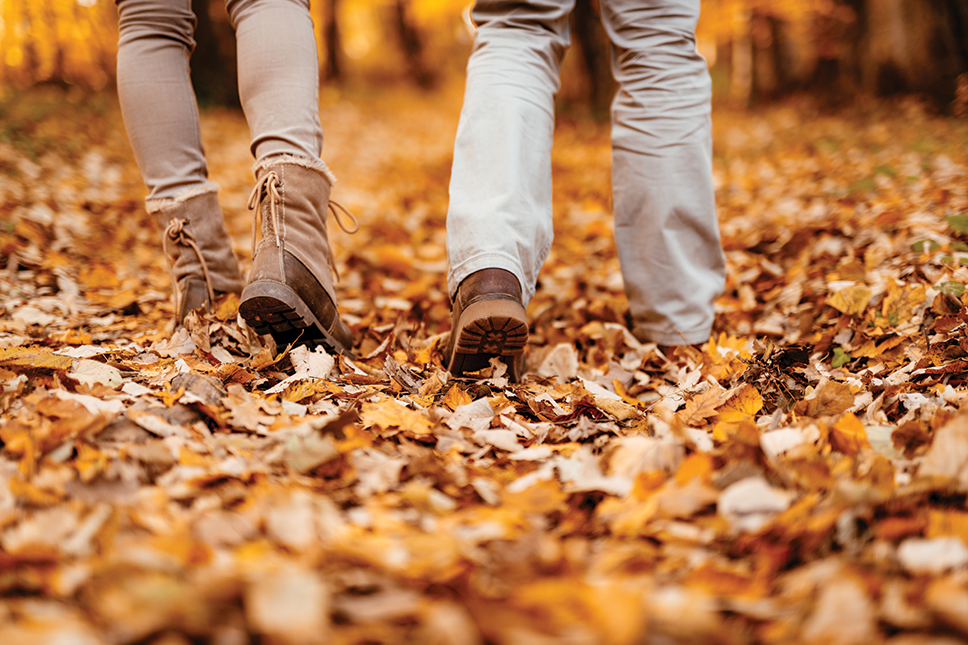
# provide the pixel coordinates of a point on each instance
(758, 50)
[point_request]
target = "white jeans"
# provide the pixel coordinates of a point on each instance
(278, 86)
(666, 231)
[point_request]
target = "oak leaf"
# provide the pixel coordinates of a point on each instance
(702, 406)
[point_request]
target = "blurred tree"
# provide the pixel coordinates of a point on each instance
(411, 42)
(59, 42)
(839, 48)
(592, 45)
(213, 65)
(333, 68)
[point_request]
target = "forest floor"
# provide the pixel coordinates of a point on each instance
(800, 478)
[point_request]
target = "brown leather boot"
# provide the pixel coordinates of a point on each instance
(488, 320)
(290, 293)
(197, 248)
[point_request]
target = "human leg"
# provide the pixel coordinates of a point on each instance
(161, 117)
(289, 292)
(499, 219)
(665, 217)
(278, 76)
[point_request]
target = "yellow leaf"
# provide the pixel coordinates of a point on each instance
(299, 390)
(851, 301)
(724, 356)
(627, 518)
(947, 523)
(227, 307)
(387, 413)
(539, 498)
(29, 357)
(744, 405)
(99, 276)
(188, 457)
(622, 392)
(90, 462)
(848, 435)
(32, 494)
(456, 397)
(901, 302)
(612, 611)
(873, 349)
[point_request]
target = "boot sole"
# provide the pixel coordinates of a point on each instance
(487, 329)
(276, 309)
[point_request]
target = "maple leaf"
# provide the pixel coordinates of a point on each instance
(702, 406)
(742, 405)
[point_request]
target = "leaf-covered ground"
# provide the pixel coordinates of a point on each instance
(800, 478)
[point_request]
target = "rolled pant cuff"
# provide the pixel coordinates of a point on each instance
(305, 162)
(159, 204)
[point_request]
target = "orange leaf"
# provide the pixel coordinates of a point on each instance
(947, 523)
(829, 399)
(848, 435)
(32, 494)
(695, 465)
(743, 405)
(701, 406)
(456, 397)
(542, 497)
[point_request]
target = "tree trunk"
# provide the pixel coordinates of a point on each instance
(593, 44)
(915, 46)
(214, 73)
(333, 69)
(412, 45)
(741, 74)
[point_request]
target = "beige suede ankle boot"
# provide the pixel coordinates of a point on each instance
(289, 293)
(197, 248)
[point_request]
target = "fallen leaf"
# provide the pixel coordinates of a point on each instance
(750, 503)
(290, 605)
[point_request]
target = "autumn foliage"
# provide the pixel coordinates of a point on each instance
(801, 477)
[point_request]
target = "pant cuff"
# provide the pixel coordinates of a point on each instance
(158, 204)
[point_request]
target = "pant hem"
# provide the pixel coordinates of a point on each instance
(312, 164)
(159, 204)
(663, 336)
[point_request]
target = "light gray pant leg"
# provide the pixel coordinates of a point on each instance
(500, 190)
(157, 101)
(278, 76)
(665, 214)
(278, 86)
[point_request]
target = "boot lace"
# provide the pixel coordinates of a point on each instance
(268, 188)
(176, 233)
